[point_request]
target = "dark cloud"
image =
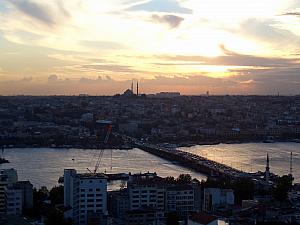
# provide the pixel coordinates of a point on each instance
(291, 14)
(232, 59)
(34, 10)
(171, 20)
(41, 12)
(169, 6)
(52, 78)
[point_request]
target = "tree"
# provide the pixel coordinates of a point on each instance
(57, 195)
(55, 217)
(243, 189)
(170, 180)
(184, 179)
(282, 186)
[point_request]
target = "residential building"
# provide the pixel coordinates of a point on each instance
(7, 176)
(182, 199)
(86, 195)
(147, 191)
(13, 200)
(216, 197)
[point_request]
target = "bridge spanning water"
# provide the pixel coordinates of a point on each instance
(189, 160)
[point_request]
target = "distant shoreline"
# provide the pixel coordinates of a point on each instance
(132, 147)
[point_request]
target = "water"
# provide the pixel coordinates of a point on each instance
(252, 156)
(44, 166)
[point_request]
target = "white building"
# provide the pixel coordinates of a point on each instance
(86, 195)
(216, 197)
(147, 191)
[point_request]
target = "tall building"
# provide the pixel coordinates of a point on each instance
(86, 196)
(147, 192)
(13, 200)
(7, 176)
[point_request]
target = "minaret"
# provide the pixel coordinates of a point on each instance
(132, 86)
(291, 164)
(267, 173)
(137, 88)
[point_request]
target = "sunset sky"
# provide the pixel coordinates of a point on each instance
(99, 46)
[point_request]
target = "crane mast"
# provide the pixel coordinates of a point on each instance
(100, 155)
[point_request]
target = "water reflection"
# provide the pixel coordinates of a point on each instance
(252, 156)
(43, 166)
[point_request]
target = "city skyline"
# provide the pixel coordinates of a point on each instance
(100, 47)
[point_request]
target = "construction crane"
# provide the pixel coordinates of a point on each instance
(100, 155)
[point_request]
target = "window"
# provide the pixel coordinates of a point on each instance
(90, 190)
(98, 189)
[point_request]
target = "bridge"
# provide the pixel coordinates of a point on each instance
(188, 160)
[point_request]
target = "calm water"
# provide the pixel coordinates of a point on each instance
(252, 156)
(43, 166)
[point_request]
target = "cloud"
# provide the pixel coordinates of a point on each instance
(102, 45)
(34, 10)
(231, 59)
(291, 14)
(168, 6)
(52, 78)
(48, 14)
(110, 68)
(259, 82)
(171, 20)
(268, 31)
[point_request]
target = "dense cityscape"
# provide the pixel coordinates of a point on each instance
(181, 120)
(157, 124)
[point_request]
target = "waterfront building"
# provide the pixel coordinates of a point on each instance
(119, 205)
(147, 191)
(13, 198)
(183, 199)
(7, 176)
(19, 196)
(86, 195)
(216, 197)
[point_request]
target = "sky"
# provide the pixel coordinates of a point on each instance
(98, 47)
